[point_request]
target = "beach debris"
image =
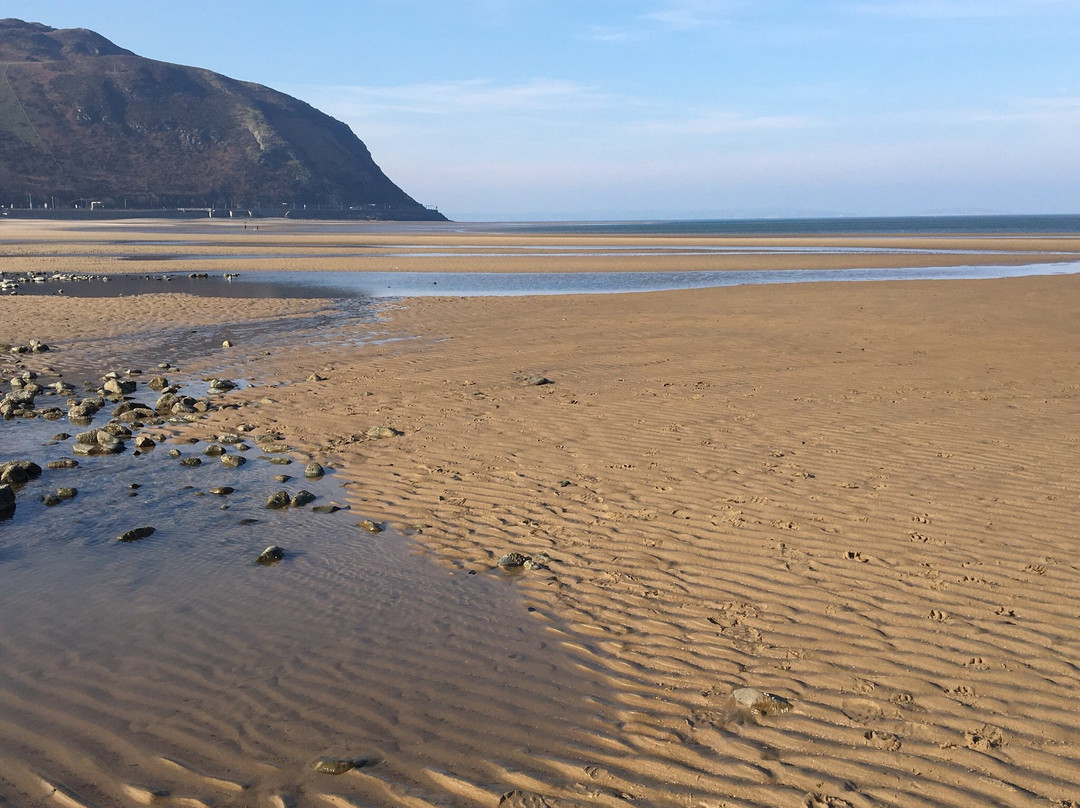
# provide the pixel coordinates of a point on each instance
(537, 381)
(513, 561)
(232, 461)
(137, 534)
(383, 432)
(279, 499)
(271, 555)
(332, 765)
(302, 498)
(314, 470)
(760, 702)
(369, 526)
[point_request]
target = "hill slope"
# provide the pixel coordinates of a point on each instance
(82, 119)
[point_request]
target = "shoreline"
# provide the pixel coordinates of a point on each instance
(858, 497)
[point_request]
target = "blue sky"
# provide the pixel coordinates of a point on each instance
(600, 109)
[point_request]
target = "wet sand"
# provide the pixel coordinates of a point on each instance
(861, 498)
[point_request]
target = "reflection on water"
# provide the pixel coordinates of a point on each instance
(321, 284)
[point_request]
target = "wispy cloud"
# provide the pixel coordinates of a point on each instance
(688, 15)
(723, 122)
(951, 9)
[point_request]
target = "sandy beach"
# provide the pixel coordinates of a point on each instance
(859, 500)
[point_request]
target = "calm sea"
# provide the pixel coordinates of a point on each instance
(1066, 224)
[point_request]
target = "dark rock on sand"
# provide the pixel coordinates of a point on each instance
(137, 534)
(279, 499)
(513, 561)
(302, 498)
(331, 765)
(271, 555)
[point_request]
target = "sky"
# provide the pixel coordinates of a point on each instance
(645, 109)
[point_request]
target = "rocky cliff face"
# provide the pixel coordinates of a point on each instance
(83, 120)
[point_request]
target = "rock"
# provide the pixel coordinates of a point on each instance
(144, 442)
(232, 461)
(191, 462)
(67, 493)
(327, 508)
(302, 498)
(513, 561)
(226, 344)
(369, 526)
(214, 450)
(157, 383)
(65, 463)
(7, 497)
(315, 377)
(282, 478)
(331, 765)
(383, 432)
(279, 499)
(37, 346)
(536, 381)
(52, 414)
(119, 387)
(525, 799)
(222, 385)
(314, 470)
(137, 534)
(271, 555)
(281, 461)
(132, 406)
(222, 490)
(758, 701)
(19, 471)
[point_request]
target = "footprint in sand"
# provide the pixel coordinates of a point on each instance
(817, 800)
(882, 740)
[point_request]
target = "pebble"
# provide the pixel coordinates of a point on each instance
(137, 534)
(370, 526)
(232, 461)
(271, 555)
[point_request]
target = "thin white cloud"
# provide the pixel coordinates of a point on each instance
(689, 15)
(952, 9)
(721, 122)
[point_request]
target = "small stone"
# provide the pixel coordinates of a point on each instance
(65, 463)
(282, 478)
(137, 534)
(370, 526)
(329, 765)
(271, 555)
(232, 461)
(327, 508)
(222, 490)
(279, 499)
(67, 493)
(214, 450)
(226, 344)
(315, 377)
(512, 560)
(759, 701)
(221, 385)
(144, 442)
(383, 432)
(280, 461)
(191, 462)
(302, 498)
(314, 470)
(174, 452)
(157, 383)
(119, 387)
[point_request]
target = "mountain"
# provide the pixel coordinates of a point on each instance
(84, 121)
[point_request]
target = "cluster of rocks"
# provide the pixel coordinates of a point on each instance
(514, 561)
(10, 284)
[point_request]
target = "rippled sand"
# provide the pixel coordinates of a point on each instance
(859, 497)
